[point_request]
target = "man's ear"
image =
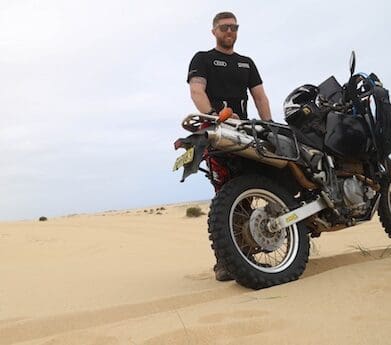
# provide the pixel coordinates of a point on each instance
(213, 32)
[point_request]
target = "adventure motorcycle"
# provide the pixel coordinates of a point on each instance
(276, 184)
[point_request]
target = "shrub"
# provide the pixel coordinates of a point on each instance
(43, 219)
(194, 212)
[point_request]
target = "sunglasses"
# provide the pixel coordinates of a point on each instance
(225, 27)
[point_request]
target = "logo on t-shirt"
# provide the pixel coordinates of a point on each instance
(220, 63)
(243, 65)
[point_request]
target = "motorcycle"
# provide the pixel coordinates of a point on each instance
(276, 185)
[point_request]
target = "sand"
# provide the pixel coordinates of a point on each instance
(135, 277)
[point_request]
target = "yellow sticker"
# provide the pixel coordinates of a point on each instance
(306, 110)
(291, 218)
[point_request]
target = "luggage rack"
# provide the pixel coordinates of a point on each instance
(281, 136)
(192, 122)
(284, 137)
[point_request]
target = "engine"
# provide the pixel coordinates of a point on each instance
(356, 196)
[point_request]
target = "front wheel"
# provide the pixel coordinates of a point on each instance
(255, 257)
(384, 209)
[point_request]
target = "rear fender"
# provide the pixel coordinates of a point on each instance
(200, 143)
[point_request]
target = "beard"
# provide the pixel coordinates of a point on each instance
(226, 43)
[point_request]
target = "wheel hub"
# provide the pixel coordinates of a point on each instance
(266, 240)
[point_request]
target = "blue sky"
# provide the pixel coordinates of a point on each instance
(92, 93)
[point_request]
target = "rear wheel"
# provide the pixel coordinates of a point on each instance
(255, 257)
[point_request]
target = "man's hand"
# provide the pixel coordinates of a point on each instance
(261, 102)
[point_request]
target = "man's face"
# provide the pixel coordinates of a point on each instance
(225, 37)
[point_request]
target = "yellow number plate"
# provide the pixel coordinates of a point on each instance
(187, 157)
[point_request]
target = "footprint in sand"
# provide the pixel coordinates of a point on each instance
(227, 332)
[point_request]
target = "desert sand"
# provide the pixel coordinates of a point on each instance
(136, 277)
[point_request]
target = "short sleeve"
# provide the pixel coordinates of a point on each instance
(197, 67)
(254, 79)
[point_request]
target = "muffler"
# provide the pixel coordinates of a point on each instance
(226, 139)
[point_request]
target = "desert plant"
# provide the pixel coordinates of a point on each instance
(194, 212)
(363, 251)
(386, 252)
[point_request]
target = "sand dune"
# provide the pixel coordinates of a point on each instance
(136, 277)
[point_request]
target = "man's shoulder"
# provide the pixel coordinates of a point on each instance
(243, 57)
(203, 53)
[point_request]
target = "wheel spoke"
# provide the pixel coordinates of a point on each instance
(243, 209)
(243, 243)
(269, 260)
(239, 214)
(279, 250)
(238, 225)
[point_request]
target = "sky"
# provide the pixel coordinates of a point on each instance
(92, 93)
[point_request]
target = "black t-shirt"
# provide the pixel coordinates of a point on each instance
(228, 78)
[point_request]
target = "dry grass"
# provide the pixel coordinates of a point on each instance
(194, 212)
(367, 252)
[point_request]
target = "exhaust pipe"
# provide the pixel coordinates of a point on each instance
(300, 177)
(226, 139)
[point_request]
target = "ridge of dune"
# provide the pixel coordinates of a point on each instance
(136, 277)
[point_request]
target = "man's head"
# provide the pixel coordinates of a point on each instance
(225, 29)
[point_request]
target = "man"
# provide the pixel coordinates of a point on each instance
(220, 78)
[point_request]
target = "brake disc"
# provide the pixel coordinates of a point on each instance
(265, 239)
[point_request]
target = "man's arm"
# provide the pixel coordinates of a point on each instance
(198, 94)
(261, 102)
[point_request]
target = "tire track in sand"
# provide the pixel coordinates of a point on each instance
(30, 329)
